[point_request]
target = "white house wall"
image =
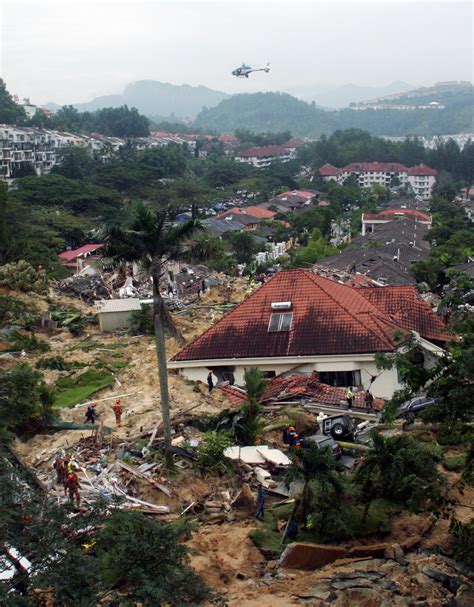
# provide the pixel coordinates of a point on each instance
(385, 384)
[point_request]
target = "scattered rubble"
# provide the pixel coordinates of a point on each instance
(86, 287)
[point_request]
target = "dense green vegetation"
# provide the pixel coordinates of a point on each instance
(354, 145)
(274, 112)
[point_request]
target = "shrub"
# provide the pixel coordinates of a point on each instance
(141, 321)
(211, 450)
(20, 276)
(28, 343)
(13, 311)
(457, 462)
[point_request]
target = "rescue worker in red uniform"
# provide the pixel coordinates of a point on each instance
(73, 485)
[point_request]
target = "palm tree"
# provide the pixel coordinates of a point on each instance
(319, 470)
(150, 239)
(254, 387)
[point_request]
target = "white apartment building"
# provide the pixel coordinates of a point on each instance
(262, 157)
(40, 148)
(421, 178)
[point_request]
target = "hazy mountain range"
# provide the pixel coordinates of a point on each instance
(154, 98)
(342, 96)
(184, 102)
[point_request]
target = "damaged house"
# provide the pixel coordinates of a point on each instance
(301, 322)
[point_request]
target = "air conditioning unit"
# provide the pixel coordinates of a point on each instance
(281, 305)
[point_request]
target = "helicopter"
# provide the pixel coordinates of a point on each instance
(244, 70)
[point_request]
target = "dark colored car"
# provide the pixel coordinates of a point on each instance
(340, 427)
(321, 442)
(410, 408)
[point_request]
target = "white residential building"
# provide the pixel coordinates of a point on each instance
(421, 178)
(264, 156)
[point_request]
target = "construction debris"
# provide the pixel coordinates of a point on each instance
(88, 288)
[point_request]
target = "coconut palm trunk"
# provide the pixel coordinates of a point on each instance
(158, 320)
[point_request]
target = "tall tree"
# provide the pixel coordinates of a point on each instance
(10, 111)
(148, 238)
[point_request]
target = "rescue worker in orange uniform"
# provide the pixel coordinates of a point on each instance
(73, 485)
(118, 412)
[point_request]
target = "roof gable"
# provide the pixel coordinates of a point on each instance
(404, 306)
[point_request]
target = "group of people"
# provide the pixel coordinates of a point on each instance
(66, 476)
(291, 437)
(92, 415)
(369, 399)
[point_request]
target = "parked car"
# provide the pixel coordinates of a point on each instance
(410, 408)
(340, 427)
(321, 442)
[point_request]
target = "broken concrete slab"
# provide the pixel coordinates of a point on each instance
(248, 455)
(259, 454)
(274, 456)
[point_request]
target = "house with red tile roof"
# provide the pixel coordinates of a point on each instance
(261, 157)
(258, 212)
(76, 258)
(370, 220)
(301, 322)
(421, 177)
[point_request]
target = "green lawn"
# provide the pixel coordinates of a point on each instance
(72, 390)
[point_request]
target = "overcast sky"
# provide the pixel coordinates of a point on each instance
(72, 51)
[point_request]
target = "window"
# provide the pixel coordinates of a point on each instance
(280, 322)
(269, 374)
(224, 374)
(340, 379)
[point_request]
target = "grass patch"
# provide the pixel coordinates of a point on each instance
(73, 390)
(266, 540)
(455, 463)
(378, 520)
(115, 364)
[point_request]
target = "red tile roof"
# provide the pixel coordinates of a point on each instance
(257, 212)
(305, 387)
(328, 318)
(389, 214)
(268, 150)
(328, 170)
(422, 170)
(376, 167)
(404, 306)
(72, 255)
(303, 193)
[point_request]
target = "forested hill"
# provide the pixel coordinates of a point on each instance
(275, 112)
